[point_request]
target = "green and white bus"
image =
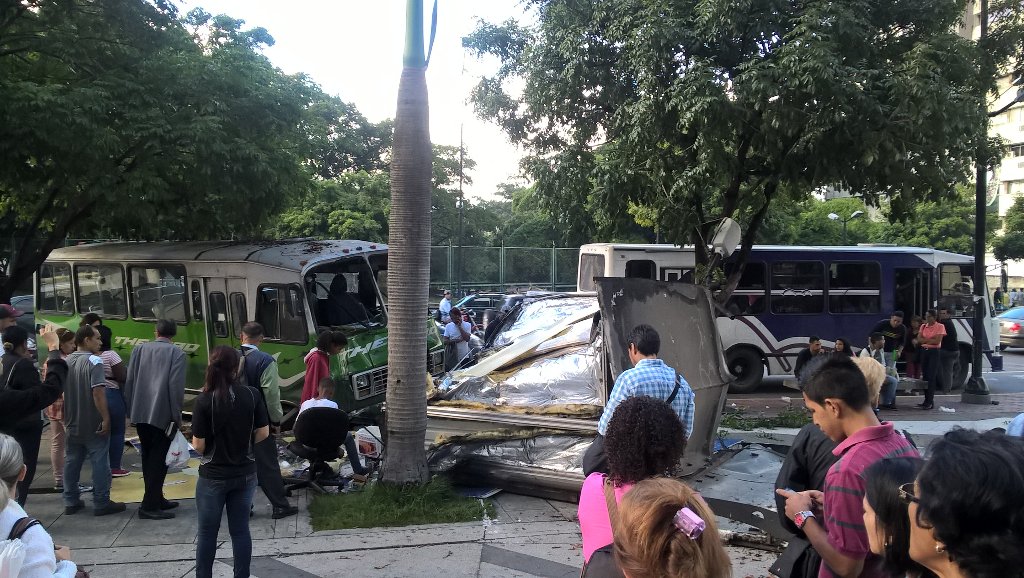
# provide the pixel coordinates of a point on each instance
(294, 288)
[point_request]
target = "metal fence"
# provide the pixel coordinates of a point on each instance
(502, 268)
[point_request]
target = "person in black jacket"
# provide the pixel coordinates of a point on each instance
(23, 394)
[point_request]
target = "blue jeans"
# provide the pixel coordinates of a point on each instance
(888, 396)
(116, 407)
(76, 450)
(212, 496)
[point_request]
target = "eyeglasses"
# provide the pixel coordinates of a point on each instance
(907, 494)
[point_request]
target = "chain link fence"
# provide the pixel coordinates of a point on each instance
(502, 269)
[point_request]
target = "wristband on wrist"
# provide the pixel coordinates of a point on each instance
(801, 518)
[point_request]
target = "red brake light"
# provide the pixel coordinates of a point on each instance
(1015, 327)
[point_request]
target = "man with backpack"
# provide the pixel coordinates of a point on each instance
(259, 371)
(649, 376)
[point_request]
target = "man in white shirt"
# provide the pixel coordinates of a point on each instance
(325, 393)
(324, 398)
(446, 306)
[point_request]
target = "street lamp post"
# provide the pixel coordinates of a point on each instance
(845, 220)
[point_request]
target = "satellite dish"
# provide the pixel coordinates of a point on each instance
(726, 238)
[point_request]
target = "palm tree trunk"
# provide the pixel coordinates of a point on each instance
(409, 266)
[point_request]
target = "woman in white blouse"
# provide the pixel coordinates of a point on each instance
(42, 560)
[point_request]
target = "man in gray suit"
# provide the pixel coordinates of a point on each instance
(154, 394)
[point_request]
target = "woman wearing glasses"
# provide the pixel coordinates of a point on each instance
(885, 515)
(966, 508)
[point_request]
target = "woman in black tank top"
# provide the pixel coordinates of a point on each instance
(226, 421)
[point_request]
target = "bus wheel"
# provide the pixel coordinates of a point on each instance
(747, 367)
(962, 367)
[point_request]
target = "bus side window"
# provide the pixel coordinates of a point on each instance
(239, 315)
(219, 314)
(158, 292)
(590, 266)
(55, 288)
(855, 288)
(197, 301)
(749, 297)
(281, 312)
(641, 268)
(798, 287)
(100, 289)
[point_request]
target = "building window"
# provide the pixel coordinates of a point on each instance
(798, 287)
(1017, 150)
(854, 288)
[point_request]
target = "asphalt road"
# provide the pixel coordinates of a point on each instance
(1010, 380)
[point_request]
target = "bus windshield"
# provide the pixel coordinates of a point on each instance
(956, 288)
(345, 292)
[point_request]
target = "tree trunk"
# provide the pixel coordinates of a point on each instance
(409, 267)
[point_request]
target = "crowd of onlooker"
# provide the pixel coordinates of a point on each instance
(855, 492)
(928, 346)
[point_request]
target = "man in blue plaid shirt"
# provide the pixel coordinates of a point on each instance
(649, 376)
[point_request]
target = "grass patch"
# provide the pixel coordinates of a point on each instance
(381, 506)
(788, 417)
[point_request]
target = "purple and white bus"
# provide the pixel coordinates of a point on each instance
(787, 294)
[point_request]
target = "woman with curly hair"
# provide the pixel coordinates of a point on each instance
(966, 508)
(665, 530)
(645, 438)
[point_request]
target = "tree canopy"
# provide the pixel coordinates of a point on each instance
(124, 119)
(686, 112)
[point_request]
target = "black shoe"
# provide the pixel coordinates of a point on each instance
(926, 406)
(110, 508)
(155, 514)
(72, 510)
(169, 505)
(284, 512)
(890, 407)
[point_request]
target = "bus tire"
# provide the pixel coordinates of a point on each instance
(747, 368)
(962, 367)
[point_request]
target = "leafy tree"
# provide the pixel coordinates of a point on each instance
(409, 265)
(689, 111)
(947, 225)
(120, 119)
(1010, 246)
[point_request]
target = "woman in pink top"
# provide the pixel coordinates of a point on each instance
(645, 438)
(929, 339)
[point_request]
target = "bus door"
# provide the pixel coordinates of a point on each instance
(912, 291)
(225, 300)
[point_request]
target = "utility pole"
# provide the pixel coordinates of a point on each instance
(976, 390)
(462, 205)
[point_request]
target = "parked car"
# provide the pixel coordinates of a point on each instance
(1011, 328)
(477, 303)
(25, 304)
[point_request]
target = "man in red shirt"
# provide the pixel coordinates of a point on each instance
(833, 521)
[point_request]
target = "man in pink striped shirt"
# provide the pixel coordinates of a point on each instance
(837, 397)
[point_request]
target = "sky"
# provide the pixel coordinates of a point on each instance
(353, 49)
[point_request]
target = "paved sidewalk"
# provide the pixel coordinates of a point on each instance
(528, 537)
